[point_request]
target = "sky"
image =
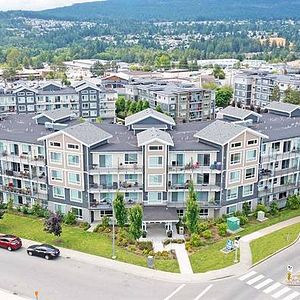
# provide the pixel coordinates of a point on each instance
(36, 4)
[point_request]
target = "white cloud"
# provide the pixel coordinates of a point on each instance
(36, 4)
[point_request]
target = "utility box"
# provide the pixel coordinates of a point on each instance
(150, 262)
(233, 224)
(181, 230)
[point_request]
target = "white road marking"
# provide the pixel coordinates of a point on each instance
(272, 288)
(175, 292)
(291, 296)
(203, 292)
(255, 279)
(264, 283)
(247, 275)
(281, 292)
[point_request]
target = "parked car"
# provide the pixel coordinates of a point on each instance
(10, 242)
(44, 250)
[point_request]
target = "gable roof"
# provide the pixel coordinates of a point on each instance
(86, 84)
(238, 113)
(221, 132)
(86, 133)
(153, 134)
(146, 113)
(24, 87)
(282, 107)
(56, 114)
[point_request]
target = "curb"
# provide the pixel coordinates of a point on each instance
(276, 252)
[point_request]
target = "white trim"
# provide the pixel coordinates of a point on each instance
(156, 167)
(154, 140)
(154, 186)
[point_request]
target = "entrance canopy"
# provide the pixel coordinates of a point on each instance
(160, 214)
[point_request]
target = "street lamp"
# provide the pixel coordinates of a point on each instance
(113, 238)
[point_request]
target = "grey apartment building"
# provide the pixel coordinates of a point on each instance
(80, 166)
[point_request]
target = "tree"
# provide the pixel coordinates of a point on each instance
(133, 107)
(146, 105)
(2, 212)
(158, 108)
(53, 224)
(139, 106)
(292, 96)
(218, 72)
(135, 221)
(98, 69)
(192, 211)
(275, 95)
(223, 96)
(120, 210)
(183, 63)
(293, 202)
(163, 62)
(120, 104)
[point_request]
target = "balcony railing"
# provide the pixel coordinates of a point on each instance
(95, 169)
(95, 187)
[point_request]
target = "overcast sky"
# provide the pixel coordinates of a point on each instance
(36, 4)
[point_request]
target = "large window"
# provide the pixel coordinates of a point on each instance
(250, 173)
(234, 176)
(74, 178)
(56, 175)
(251, 155)
(203, 178)
(73, 160)
(58, 192)
(155, 161)
(155, 180)
(130, 158)
(232, 194)
(55, 157)
(105, 161)
(61, 208)
(235, 158)
(77, 212)
(248, 190)
(276, 146)
(131, 177)
(75, 196)
(204, 159)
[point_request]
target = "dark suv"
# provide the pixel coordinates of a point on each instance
(10, 242)
(44, 250)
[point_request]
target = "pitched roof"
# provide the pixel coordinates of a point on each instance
(282, 107)
(221, 132)
(146, 113)
(56, 114)
(153, 134)
(238, 113)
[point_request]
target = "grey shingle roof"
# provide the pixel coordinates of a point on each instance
(150, 134)
(220, 132)
(87, 133)
(146, 113)
(238, 113)
(282, 107)
(56, 114)
(154, 213)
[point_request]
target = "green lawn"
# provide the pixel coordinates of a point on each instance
(77, 239)
(211, 258)
(267, 245)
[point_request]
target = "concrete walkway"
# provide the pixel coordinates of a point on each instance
(5, 295)
(182, 258)
(234, 270)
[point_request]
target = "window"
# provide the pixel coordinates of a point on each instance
(105, 161)
(84, 97)
(93, 105)
(60, 208)
(231, 209)
(77, 212)
(93, 97)
(75, 196)
(55, 157)
(235, 158)
(56, 175)
(232, 194)
(130, 158)
(30, 99)
(234, 176)
(204, 159)
(58, 192)
(73, 160)
(236, 145)
(251, 155)
(287, 146)
(73, 146)
(74, 178)
(250, 173)
(21, 100)
(85, 106)
(252, 142)
(22, 108)
(203, 178)
(55, 144)
(248, 190)
(155, 148)
(155, 197)
(203, 212)
(155, 180)
(131, 177)
(285, 164)
(93, 113)
(30, 107)
(155, 161)
(276, 146)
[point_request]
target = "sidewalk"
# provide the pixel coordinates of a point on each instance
(4, 295)
(235, 270)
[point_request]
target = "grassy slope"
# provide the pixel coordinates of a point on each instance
(77, 239)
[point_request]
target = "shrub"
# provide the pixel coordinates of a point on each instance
(220, 220)
(132, 248)
(145, 246)
(105, 221)
(238, 213)
(84, 225)
(202, 226)
(195, 240)
(246, 209)
(25, 210)
(38, 210)
(222, 229)
(207, 234)
(70, 218)
(293, 202)
(243, 220)
(261, 207)
(3, 206)
(274, 209)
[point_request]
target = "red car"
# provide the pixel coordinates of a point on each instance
(10, 242)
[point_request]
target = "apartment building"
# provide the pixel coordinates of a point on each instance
(181, 101)
(257, 88)
(242, 157)
(86, 99)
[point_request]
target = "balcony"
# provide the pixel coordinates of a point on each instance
(106, 204)
(26, 191)
(265, 190)
(96, 169)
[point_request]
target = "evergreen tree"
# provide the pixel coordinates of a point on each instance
(192, 211)
(135, 221)
(120, 210)
(275, 95)
(158, 108)
(53, 224)
(145, 105)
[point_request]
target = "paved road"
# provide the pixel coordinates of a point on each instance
(65, 279)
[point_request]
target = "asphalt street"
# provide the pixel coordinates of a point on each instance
(65, 279)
